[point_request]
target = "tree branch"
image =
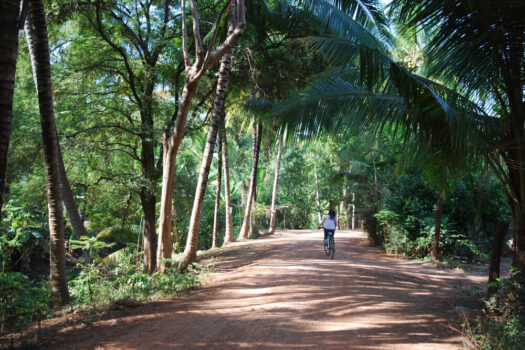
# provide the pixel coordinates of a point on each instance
(199, 49)
(187, 61)
(215, 30)
(233, 38)
(119, 49)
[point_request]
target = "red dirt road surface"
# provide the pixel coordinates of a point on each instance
(282, 292)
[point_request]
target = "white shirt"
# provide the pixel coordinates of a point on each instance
(329, 224)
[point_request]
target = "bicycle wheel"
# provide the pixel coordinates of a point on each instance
(332, 247)
(325, 246)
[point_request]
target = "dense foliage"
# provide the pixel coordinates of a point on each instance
(377, 125)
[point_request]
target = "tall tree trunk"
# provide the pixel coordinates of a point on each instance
(149, 172)
(256, 141)
(228, 235)
(346, 209)
(194, 72)
(275, 186)
(437, 226)
(495, 256)
(69, 201)
(148, 202)
(190, 252)
(9, 17)
(215, 236)
(317, 197)
(519, 242)
(354, 212)
(171, 144)
(37, 39)
(339, 211)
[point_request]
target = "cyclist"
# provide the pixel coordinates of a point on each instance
(329, 223)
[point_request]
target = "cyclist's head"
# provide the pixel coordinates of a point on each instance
(331, 213)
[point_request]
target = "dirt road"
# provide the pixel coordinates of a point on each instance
(281, 292)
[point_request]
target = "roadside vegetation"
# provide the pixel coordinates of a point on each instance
(139, 132)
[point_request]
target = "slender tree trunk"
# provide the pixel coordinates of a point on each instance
(69, 201)
(339, 211)
(275, 187)
(317, 197)
(293, 222)
(228, 236)
(346, 209)
(354, 220)
(9, 19)
(437, 226)
(215, 236)
(148, 202)
(190, 252)
(519, 242)
(171, 144)
(256, 141)
(495, 256)
(37, 38)
(194, 72)
(149, 172)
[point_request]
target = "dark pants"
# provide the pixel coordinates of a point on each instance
(326, 232)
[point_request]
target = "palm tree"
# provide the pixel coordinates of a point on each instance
(271, 230)
(228, 235)
(10, 19)
(215, 235)
(256, 148)
(474, 50)
(479, 48)
(37, 38)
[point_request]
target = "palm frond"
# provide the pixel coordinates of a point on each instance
(358, 20)
(121, 255)
(354, 177)
(470, 43)
(118, 234)
(336, 104)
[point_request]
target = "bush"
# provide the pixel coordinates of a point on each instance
(23, 300)
(501, 323)
(97, 285)
(115, 279)
(119, 277)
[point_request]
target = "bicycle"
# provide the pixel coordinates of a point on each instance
(329, 245)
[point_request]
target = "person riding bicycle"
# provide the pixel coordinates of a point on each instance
(329, 223)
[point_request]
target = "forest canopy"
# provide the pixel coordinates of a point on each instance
(135, 133)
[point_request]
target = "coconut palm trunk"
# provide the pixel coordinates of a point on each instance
(37, 39)
(495, 256)
(346, 209)
(69, 201)
(437, 226)
(190, 252)
(354, 212)
(317, 197)
(256, 141)
(228, 235)
(204, 59)
(215, 236)
(9, 17)
(275, 187)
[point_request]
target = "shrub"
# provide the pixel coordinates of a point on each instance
(501, 323)
(22, 300)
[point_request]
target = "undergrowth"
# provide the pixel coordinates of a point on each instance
(100, 283)
(501, 322)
